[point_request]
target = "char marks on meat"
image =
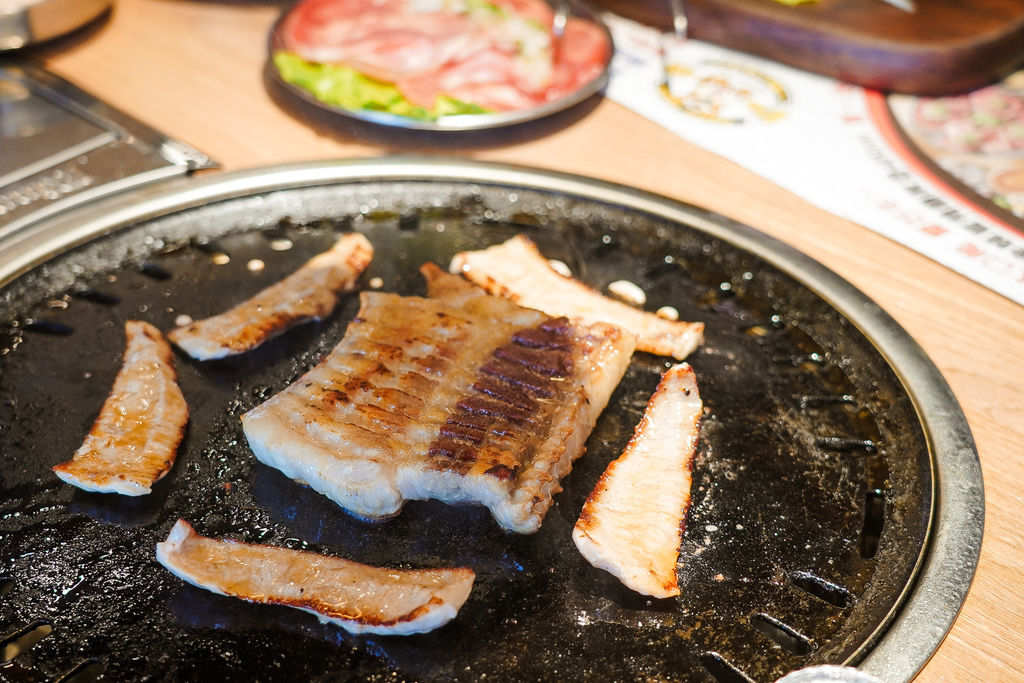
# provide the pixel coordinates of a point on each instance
(460, 397)
(357, 597)
(632, 523)
(518, 271)
(310, 293)
(134, 440)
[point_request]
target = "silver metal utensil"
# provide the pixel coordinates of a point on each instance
(905, 5)
(679, 22)
(561, 17)
(669, 41)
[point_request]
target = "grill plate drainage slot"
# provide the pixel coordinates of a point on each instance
(874, 517)
(822, 589)
(723, 671)
(85, 671)
(784, 636)
(23, 640)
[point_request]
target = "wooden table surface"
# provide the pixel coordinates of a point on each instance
(193, 69)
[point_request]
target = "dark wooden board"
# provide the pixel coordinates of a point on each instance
(946, 46)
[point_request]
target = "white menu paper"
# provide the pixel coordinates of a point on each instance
(823, 140)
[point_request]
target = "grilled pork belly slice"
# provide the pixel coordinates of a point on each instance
(135, 438)
(310, 293)
(462, 397)
(357, 597)
(518, 271)
(632, 523)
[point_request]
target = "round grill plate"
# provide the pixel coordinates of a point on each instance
(814, 534)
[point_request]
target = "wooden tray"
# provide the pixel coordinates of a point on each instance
(946, 46)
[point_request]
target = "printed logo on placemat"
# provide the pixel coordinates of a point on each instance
(724, 92)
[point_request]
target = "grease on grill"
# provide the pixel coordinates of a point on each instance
(605, 246)
(666, 266)
(560, 267)
(628, 291)
(668, 313)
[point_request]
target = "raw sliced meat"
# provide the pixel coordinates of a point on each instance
(498, 55)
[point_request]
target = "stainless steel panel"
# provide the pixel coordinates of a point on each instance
(60, 147)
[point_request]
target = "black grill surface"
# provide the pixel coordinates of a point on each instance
(811, 493)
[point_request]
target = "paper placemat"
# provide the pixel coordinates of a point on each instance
(942, 176)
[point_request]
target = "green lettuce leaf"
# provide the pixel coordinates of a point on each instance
(345, 87)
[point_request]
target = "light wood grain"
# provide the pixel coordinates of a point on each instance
(194, 71)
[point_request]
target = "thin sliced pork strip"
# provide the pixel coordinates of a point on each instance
(310, 293)
(632, 523)
(518, 271)
(461, 397)
(358, 597)
(384, 39)
(134, 440)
